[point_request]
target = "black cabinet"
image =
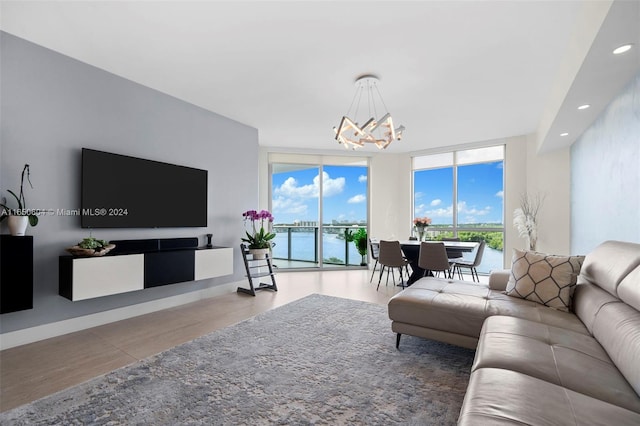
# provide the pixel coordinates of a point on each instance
(168, 267)
(16, 273)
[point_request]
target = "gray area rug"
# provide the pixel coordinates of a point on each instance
(318, 360)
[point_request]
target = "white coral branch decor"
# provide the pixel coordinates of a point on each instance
(525, 218)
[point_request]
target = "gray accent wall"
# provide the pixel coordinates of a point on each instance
(52, 106)
(605, 175)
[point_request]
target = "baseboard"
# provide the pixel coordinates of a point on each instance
(33, 334)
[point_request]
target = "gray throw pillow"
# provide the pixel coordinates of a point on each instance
(544, 278)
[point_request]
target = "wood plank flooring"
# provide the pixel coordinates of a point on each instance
(32, 371)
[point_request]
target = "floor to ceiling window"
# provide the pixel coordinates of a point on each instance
(462, 193)
(313, 206)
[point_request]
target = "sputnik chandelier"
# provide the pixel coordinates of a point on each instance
(379, 132)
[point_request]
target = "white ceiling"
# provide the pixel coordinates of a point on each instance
(452, 72)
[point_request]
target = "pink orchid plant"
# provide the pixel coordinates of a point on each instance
(258, 239)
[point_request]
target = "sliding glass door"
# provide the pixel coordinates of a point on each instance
(344, 210)
(295, 207)
(316, 207)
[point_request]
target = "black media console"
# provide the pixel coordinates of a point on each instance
(139, 264)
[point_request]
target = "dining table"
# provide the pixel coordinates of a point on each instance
(411, 250)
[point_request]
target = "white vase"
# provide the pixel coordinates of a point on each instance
(259, 253)
(18, 225)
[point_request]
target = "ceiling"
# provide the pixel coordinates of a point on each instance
(451, 72)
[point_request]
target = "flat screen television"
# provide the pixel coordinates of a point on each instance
(119, 191)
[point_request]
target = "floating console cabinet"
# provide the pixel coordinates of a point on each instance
(122, 270)
(89, 277)
(16, 273)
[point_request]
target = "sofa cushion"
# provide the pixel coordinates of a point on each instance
(609, 263)
(629, 288)
(504, 397)
(460, 307)
(543, 278)
(588, 299)
(617, 329)
(555, 355)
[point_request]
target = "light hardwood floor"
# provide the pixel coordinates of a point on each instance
(32, 371)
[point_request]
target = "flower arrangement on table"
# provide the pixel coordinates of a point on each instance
(421, 224)
(258, 239)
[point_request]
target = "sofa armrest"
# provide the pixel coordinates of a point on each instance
(498, 279)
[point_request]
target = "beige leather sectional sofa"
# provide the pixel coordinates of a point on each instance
(536, 365)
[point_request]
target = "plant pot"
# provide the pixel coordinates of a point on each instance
(18, 225)
(259, 253)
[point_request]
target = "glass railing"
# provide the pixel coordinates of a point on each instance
(297, 246)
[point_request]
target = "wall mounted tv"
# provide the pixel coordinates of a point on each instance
(119, 191)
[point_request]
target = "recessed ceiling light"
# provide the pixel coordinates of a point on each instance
(564, 134)
(622, 49)
(585, 106)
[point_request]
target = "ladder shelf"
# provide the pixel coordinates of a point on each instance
(257, 268)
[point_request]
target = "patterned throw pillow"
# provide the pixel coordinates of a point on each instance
(543, 278)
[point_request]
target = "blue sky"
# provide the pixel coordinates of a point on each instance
(480, 194)
(295, 194)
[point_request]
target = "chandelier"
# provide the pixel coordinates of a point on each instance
(380, 132)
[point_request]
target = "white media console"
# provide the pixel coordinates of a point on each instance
(158, 263)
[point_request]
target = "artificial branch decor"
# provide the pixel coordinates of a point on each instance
(525, 218)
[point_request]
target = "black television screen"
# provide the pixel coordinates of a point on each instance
(119, 191)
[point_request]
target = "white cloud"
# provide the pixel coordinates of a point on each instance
(436, 202)
(463, 209)
(362, 178)
(418, 195)
(330, 186)
(282, 205)
(441, 212)
(290, 188)
(469, 213)
(500, 194)
(359, 198)
(423, 210)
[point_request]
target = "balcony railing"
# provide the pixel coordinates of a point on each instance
(300, 244)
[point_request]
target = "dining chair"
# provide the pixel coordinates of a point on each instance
(390, 258)
(433, 257)
(453, 254)
(374, 248)
(470, 264)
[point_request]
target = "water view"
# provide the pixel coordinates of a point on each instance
(303, 248)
